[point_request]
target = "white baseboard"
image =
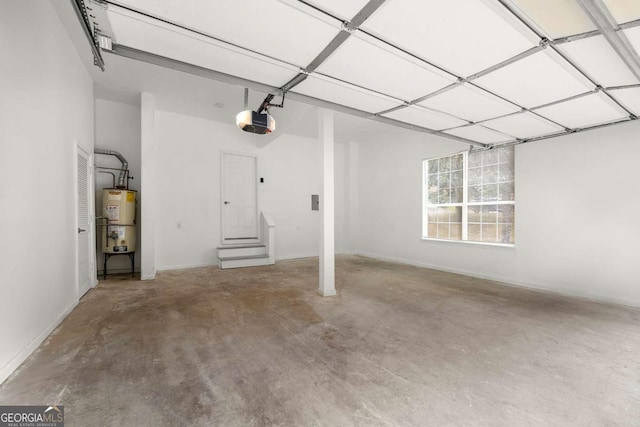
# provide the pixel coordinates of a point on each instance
(507, 282)
(187, 266)
(13, 365)
(299, 256)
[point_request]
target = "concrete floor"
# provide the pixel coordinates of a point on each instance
(399, 345)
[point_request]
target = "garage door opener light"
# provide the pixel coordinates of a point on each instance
(259, 121)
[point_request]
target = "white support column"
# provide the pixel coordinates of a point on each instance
(147, 196)
(327, 286)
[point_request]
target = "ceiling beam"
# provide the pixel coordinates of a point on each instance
(604, 21)
(631, 86)
(347, 29)
(509, 61)
(630, 24)
(592, 33)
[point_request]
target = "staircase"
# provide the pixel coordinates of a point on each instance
(242, 256)
(236, 256)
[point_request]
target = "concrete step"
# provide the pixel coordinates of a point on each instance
(243, 261)
(241, 251)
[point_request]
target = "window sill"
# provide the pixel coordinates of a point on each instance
(467, 242)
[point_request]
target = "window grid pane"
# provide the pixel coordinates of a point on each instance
(444, 222)
(491, 196)
(444, 180)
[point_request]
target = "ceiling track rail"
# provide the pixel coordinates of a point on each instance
(406, 52)
(555, 135)
(602, 19)
(454, 85)
(571, 98)
(593, 33)
(575, 37)
(347, 29)
(173, 64)
(630, 24)
(398, 100)
(509, 61)
(317, 9)
(569, 61)
(81, 12)
(632, 86)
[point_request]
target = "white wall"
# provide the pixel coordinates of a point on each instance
(292, 172)
(351, 226)
(576, 213)
(148, 196)
(188, 207)
(117, 128)
(46, 105)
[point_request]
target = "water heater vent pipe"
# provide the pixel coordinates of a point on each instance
(123, 170)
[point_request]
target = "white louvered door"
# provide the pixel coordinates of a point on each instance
(84, 224)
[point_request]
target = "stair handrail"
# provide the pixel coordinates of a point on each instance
(268, 235)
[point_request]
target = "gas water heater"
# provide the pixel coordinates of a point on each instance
(119, 211)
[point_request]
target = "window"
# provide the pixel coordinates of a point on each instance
(470, 196)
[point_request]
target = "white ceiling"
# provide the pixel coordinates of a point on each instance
(482, 71)
(195, 96)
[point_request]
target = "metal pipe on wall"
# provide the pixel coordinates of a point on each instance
(123, 170)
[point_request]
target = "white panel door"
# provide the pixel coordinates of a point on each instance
(239, 198)
(84, 224)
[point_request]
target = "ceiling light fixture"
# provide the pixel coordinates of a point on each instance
(257, 121)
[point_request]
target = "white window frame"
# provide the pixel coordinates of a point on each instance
(464, 205)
